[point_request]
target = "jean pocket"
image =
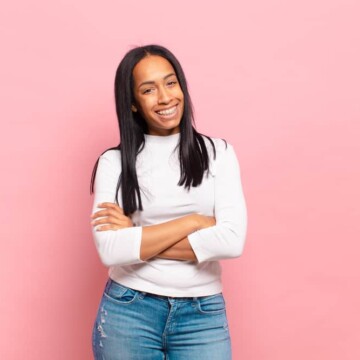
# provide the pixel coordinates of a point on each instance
(212, 304)
(119, 293)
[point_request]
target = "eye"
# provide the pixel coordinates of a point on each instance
(146, 91)
(172, 82)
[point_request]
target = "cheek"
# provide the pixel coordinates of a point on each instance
(180, 93)
(182, 103)
(146, 105)
(181, 97)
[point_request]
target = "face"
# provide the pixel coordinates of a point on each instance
(158, 95)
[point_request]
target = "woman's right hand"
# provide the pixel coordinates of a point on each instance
(205, 221)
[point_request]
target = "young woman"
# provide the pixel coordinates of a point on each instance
(168, 205)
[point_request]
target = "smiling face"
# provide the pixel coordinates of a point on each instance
(158, 95)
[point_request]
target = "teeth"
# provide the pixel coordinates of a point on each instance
(168, 111)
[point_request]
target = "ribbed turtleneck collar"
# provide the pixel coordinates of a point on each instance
(158, 139)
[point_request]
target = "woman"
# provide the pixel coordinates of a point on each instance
(168, 206)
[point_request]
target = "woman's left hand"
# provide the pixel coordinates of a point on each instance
(113, 216)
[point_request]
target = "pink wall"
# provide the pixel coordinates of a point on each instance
(278, 79)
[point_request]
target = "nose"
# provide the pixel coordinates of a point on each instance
(164, 96)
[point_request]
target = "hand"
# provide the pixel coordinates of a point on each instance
(113, 216)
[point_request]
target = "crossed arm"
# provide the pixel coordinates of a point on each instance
(167, 240)
(191, 237)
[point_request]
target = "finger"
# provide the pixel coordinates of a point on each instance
(110, 205)
(107, 212)
(103, 228)
(122, 221)
(107, 220)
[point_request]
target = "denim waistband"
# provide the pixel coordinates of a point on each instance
(163, 297)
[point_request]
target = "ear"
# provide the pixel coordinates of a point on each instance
(133, 108)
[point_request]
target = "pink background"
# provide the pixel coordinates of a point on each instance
(278, 79)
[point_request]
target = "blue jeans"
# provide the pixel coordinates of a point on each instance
(135, 325)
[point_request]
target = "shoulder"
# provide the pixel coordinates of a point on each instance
(221, 145)
(223, 152)
(111, 157)
(111, 154)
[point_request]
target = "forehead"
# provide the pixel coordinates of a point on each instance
(152, 68)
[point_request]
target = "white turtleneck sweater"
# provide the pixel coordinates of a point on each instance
(158, 170)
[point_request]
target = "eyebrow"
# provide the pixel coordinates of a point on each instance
(153, 82)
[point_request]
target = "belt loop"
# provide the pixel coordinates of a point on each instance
(108, 284)
(195, 298)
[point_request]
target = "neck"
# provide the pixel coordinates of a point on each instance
(161, 139)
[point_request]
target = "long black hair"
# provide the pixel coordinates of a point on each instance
(193, 154)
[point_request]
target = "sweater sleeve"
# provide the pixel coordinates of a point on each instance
(226, 239)
(115, 247)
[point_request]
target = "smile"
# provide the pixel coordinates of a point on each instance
(167, 112)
